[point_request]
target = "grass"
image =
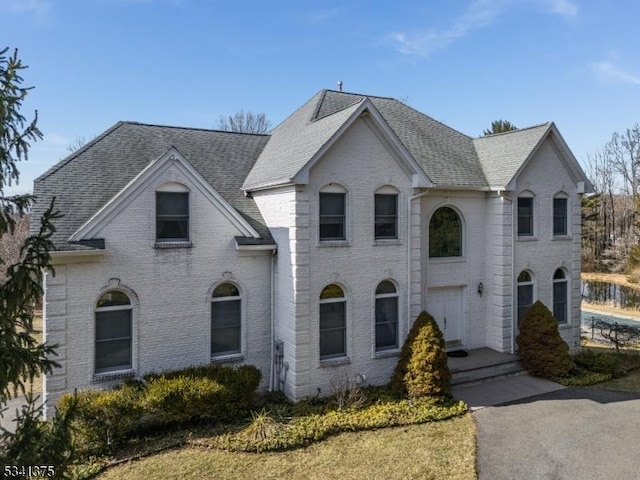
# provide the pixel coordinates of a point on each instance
(435, 450)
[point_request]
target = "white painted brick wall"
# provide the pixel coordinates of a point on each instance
(172, 320)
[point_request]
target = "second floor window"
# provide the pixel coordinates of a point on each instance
(559, 216)
(172, 216)
(386, 216)
(525, 216)
(332, 216)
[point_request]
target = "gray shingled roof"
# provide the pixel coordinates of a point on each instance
(86, 180)
(447, 156)
(503, 154)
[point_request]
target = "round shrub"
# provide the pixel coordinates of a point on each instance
(540, 346)
(422, 368)
(597, 362)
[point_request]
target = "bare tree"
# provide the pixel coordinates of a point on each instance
(244, 122)
(11, 243)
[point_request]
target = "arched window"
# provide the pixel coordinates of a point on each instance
(525, 293)
(445, 233)
(525, 214)
(333, 322)
(386, 213)
(172, 213)
(386, 316)
(560, 291)
(225, 320)
(113, 332)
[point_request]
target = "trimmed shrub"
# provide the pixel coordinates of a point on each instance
(597, 362)
(187, 398)
(540, 346)
(422, 368)
(104, 419)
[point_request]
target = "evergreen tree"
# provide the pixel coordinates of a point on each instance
(500, 126)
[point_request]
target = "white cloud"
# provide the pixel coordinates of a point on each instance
(480, 14)
(55, 140)
(608, 72)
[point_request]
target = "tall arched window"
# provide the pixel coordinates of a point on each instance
(113, 332)
(560, 214)
(386, 316)
(525, 293)
(445, 233)
(226, 312)
(333, 322)
(560, 291)
(332, 207)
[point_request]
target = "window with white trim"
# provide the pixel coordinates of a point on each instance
(560, 205)
(525, 293)
(525, 216)
(332, 221)
(386, 316)
(333, 322)
(445, 233)
(226, 320)
(113, 345)
(386, 216)
(560, 296)
(172, 213)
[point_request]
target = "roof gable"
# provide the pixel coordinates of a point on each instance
(155, 170)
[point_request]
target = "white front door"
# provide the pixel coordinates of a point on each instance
(445, 305)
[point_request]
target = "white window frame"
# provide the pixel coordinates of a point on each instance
(334, 188)
(530, 283)
(556, 281)
(526, 196)
(129, 307)
(228, 354)
(387, 191)
(567, 232)
(383, 296)
(344, 354)
(172, 188)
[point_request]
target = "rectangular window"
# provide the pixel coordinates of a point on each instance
(172, 216)
(386, 323)
(333, 330)
(386, 216)
(225, 327)
(525, 216)
(559, 216)
(560, 301)
(113, 340)
(332, 216)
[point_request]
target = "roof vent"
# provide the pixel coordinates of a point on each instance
(339, 85)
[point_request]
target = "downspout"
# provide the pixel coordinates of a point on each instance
(273, 330)
(409, 200)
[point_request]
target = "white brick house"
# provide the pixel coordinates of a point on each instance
(307, 252)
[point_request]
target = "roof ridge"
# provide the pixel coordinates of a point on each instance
(178, 127)
(360, 94)
(531, 127)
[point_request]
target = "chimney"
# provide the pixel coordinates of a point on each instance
(340, 85)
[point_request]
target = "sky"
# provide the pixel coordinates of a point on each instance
(187, 62)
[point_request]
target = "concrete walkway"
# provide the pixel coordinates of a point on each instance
(503, 390)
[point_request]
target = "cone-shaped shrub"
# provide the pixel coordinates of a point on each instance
(540, 347)
(422, 369)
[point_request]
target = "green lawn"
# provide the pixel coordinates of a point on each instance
(438, 450)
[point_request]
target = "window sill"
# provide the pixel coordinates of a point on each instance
(561, 238)
(165, 245)
(117, 375)
(447, 259)
(334, 362)
(386, 241)
(231, 358)
(395, 352)
(333, 243)
(526, 238)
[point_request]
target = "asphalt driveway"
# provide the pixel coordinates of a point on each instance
(575, 434)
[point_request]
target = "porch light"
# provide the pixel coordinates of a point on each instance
(480, 288)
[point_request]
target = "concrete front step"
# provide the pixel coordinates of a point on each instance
(483, 364)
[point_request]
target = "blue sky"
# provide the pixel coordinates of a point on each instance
(186, 62)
